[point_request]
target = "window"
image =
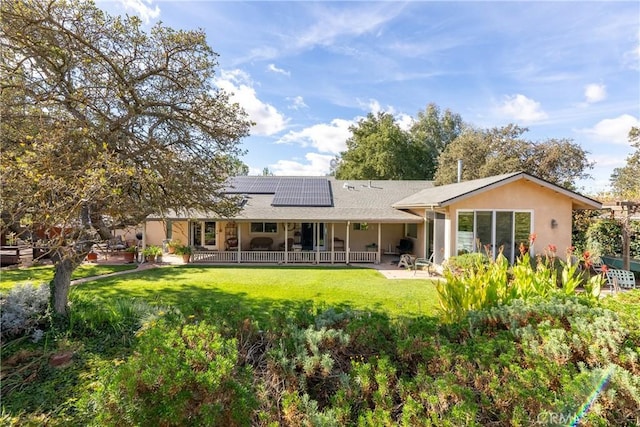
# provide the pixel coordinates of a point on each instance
(490, 232)
(264, 227)
(361, 226)
(411, 230)
(203, 233)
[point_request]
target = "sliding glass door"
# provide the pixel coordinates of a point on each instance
(490, 232)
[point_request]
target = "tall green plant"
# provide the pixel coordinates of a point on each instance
(496, 283)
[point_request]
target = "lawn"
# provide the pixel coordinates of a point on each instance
(9, 277)
(256, 290)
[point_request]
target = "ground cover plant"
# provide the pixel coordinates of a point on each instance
(251, 353)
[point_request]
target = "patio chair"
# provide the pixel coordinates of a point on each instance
(406, 261)
(620, 279)
(423, 262)
(289, 244)
(338, 244)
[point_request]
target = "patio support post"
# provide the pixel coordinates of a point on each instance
(348, 249)
(425, 234)
(379, 243)
(239, 242)
(317, 233)
(333, 242)
(286, 246)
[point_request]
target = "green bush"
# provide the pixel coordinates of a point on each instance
(466, 262)
(179, 375)
(495, 283)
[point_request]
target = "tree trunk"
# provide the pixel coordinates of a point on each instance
(61, 284)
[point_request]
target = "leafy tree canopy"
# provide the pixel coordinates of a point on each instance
(103, 120)
(380, 149)
(502, 150)
(625, 181)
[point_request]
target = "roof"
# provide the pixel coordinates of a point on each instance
(353, 200)
(442, 196)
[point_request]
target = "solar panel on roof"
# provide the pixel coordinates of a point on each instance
(303, 192)
(253, 185)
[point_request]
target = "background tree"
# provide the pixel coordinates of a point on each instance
(379, 149)
(502, 150)
(102, 121)
(435, 130)
(625, 181)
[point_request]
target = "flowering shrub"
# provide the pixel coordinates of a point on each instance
(24, 310)
(494, 283)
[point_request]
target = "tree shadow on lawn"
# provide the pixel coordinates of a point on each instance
(174, 286)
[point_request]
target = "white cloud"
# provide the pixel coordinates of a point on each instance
(273, 68)
(317, 165)
(326, 138)
(297, 102)
(142, 8)
(334, 23)
(632, 58)
(268, 120)
(403, 120)
(595, 92)
(521, 108)
(614, 130)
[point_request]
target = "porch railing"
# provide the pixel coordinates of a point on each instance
(275, 257)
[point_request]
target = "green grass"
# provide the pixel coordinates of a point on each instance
(255, 290)
(9, 277)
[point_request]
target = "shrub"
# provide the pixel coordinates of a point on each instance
(466, 262)
(495, 283)
(24, 310)
(179, 375)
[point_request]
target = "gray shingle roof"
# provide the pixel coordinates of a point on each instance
(444, 195)
(353, 200)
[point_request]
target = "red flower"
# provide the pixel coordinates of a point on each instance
(586, 255)
(553, 248)
(532, 238)
(604, 268)
(571, 249)
(523, 248)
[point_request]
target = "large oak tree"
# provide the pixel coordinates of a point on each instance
(104, 123)
(502, 150)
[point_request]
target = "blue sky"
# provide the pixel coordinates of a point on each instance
(306, 71)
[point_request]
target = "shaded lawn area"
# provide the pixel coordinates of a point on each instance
(43, 274)
(260, 292)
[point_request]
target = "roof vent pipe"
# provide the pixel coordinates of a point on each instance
(459, 170)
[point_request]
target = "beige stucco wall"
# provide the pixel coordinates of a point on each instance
(154, 233)
(544, 203)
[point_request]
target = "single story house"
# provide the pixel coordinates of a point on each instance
(325, 220)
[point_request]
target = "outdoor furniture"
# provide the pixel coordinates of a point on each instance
(289, 244)
(338, 244)
(232, 243)
(620, 279)
(406, 261)
(261, 244)
(405, 246)
(423, 262)
(116, 244)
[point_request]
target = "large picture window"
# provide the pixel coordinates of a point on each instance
(490, 232)
(264, 227)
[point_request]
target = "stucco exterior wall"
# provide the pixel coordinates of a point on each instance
(155, 233)
(180, 231)
(546, 205)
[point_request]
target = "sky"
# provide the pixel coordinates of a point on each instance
(305, 71)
